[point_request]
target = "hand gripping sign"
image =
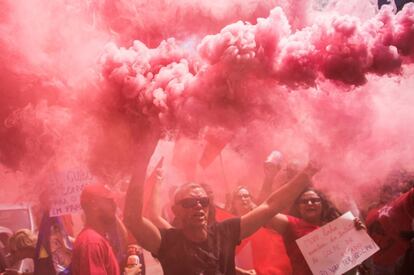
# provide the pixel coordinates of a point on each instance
(336, 247)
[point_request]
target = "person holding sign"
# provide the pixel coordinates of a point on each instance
(310, 211)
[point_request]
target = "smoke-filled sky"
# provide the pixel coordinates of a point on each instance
(80, 81)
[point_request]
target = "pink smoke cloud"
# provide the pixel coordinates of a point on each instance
(79, 87)
(342, 49)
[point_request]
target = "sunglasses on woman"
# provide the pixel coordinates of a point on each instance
(310, 201)
(243, 196)
(192, 202)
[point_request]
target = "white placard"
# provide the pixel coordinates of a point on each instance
(336, 247)
(66, 187)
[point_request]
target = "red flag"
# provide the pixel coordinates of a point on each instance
(216, 141)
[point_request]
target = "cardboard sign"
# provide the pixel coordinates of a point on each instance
(66, 187)
(336, 247)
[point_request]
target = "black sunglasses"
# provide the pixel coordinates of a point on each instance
(192, 202)
(243, 196)
(312, 201)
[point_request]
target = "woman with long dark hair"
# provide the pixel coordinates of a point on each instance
(311, 210)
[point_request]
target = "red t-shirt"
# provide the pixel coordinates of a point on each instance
(269, 253)
(385, 224)
(296, 229)
(93, 255)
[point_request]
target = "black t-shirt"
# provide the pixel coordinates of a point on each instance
(215, 256)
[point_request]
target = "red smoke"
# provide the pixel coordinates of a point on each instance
(162, 80)
(81, 80)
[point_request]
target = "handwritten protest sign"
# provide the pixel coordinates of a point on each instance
(66, 187)
(336, 247)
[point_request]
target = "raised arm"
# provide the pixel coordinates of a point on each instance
(278, 223)
(270, 172)
(146, 233)
(154, 205)
(276, 202)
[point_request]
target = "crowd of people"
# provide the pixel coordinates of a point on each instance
(203, 238)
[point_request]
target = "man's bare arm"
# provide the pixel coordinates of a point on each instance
(146, 234)
(270, 172)
(279, 223)
(277, 201)
(154, 206)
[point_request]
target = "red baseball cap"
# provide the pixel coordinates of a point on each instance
(95, 191)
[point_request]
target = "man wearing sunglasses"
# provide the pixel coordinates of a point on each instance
(198, 247)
